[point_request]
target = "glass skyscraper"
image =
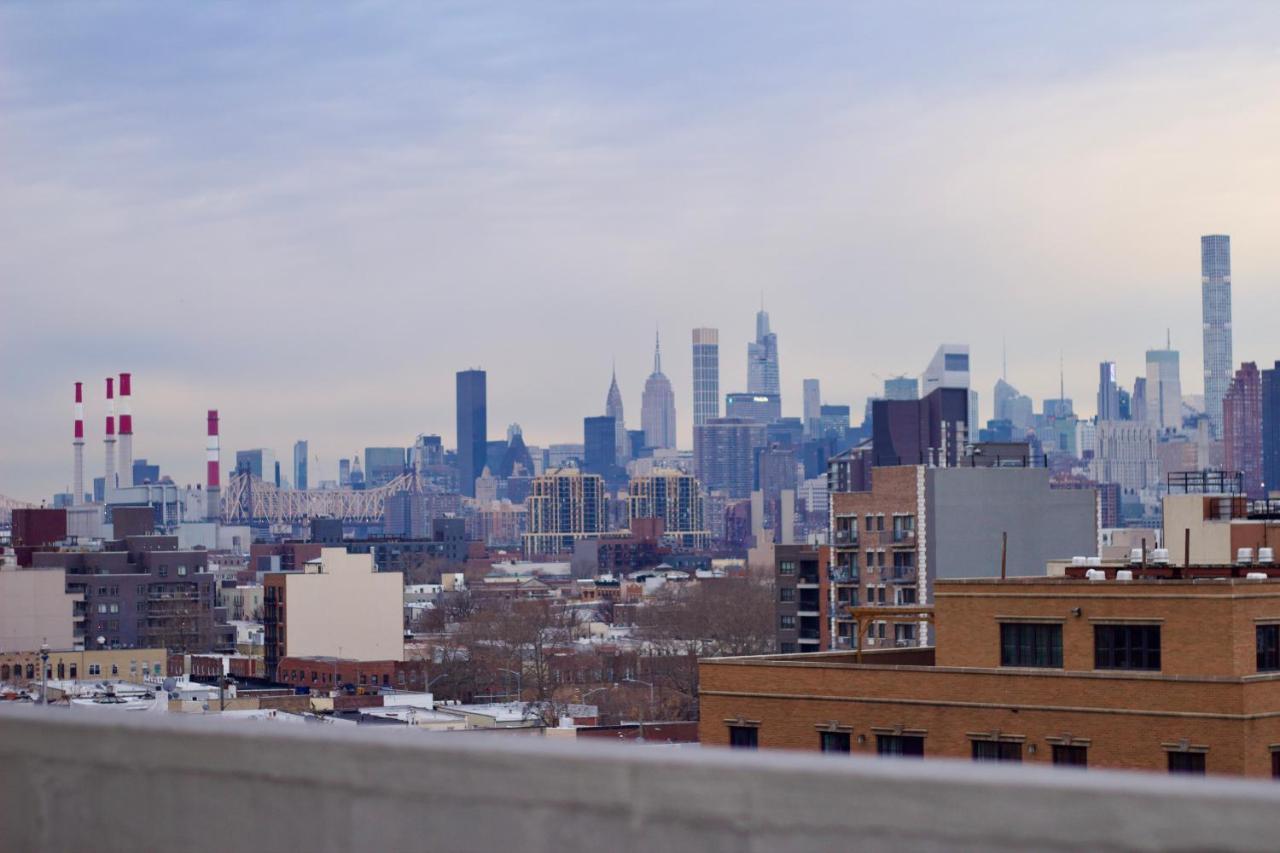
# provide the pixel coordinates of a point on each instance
(762, 359)
(300, 465)
(1215, 296)
(706, 375)
(473, 439)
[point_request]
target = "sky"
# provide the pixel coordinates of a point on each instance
(310, 216)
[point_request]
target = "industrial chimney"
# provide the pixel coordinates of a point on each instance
(77, 496)
(126, 430)
(213, 488)
(109, 441)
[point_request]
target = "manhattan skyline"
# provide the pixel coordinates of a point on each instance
(315, 247)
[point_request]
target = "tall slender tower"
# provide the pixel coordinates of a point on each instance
(613, 409)
(212, 476)
(762, 359)
(1215, 302)
(473, 436)
(109, 441)
(658, 405)
(126, 429)
(706, 375)
(77, 474)
(812, 406)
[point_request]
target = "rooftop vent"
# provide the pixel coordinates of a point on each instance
(1096, 575)
(1160, 556)
(1124, 575)
(1093, 561)
(1266, 556)
(1256, 576)
(1135, 557)
(1244, 556)
(1079, 561)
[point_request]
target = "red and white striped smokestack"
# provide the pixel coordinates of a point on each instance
(77, 496)
(109, 440)
(126, 429)
(213, 488)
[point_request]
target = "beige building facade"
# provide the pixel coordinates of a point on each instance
(36, 609)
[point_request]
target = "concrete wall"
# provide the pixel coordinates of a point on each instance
(345, 610)
(1042, 523)
(115, 782)
(35, 608)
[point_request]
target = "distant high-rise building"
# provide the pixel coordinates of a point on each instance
(724, 451)
(930, 431)
(1271, 429)
(902, 388)
(762, 359)
(1242, 428)
(949, 368)
(1138, 401)
(300, 465)
(1126, 455)
(613, 409)
(1164, 390)
(761, 408)
(473, 436)
(833, 419)
(674, 497)
(260, 462)
(565, 505)
(344, 473)
(1215, 301)
(601, 453)
(812, 406)
(1108, 392)
(706, 375)
(382, 465)
(658, 405)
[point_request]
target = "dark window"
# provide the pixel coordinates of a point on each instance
(787, 594)
(833, 741)
(1268, 648)
(786, 567)
(786, 623)
(787, 648)
(955, 361)
(910, 746)
(744, 737)
(997, 750)
(1126, 646)
(1075, 756)
(1186, 762)
(1030, 644)
(1275, 765)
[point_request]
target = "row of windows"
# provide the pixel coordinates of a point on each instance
(912, 746)
(1038, 644)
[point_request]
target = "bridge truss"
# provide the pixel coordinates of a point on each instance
(248, 500)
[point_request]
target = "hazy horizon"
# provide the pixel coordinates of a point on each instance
(310, 217)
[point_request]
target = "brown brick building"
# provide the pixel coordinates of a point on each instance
(1155, 674)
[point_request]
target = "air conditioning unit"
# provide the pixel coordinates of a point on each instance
(1266, 556)
(1135, 557)
(1244, 556)
(1093, 561)
(1124, 575)
(1160, 556)
(1079, 561)
(1256, 576)
(1096, 575)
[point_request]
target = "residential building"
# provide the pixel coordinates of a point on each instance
(706, 375)
(565, 505)
(658, 406)
(1223, 526)
(762, 359)
(674, 497)
(800, 611)
(1120, 674)
(931, 431)
(1242, 428)
(724, 454)
(1164, 390)
(36, 608)
(472, 428)
(338, 606)
(1215, 307)
(916, 525)
(299, 465)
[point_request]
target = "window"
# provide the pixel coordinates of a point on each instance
(115, 608)
(1275, 764)
(871, 521)
(787, 567)
(997, 750)
(906, 595)
(102, 608)
(1186, 762)
(879, 522)
(115, 669)
(907, 746)
(164, 571)
(1030, 644)
(1073, 756)
(1126, 646)
(182, 570)
(880, 595)
(833, 741)
(787, 648)
(744, 737)
(904, 635)
(787, 594)
(787, 623)
(1268, 648)
(95, 669)
(74, 671)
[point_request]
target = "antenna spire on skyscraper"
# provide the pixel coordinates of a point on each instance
(657, 352)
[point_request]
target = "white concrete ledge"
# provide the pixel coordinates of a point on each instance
(116, 782)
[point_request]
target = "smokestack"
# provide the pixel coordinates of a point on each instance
(109, 440)
(213, 488)
(77, 496)
(126, 430)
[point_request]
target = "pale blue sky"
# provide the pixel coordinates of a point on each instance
(310, 215)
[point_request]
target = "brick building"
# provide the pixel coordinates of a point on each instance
(800, 607)
(1157, 673)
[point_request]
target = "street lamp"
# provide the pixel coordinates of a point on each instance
(640, 738)
(44, 672)
(519, 683)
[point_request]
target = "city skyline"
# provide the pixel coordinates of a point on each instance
(818, 195)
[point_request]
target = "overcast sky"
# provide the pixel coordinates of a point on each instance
(310, 216)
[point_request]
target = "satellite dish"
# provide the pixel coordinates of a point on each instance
(102, 641)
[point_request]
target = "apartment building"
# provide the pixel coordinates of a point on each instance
(801, 608)
(1161, 673)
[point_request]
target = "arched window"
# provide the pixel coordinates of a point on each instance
(31, 671)
(61, 671)
(4, 672)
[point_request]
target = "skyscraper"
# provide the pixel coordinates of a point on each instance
(613, 409)
(1215, 307)
(724, 451)
(658, 405)
(1242, 428)
(676, 498)
(812, 406)
(565, 505)
(706, 375)
(599, 437)
(949, 368)
(1163, 390)
(300, 465)
(1108, 392)
(902, 388)
(473, 439)
(1271, 428)
(762, 359)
